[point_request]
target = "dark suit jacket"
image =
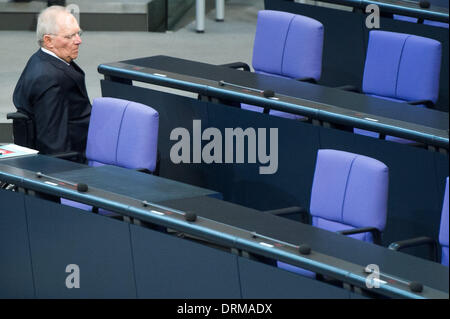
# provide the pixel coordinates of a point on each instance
(54, 95)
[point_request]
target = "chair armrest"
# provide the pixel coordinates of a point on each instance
(414, 242)
(309, 80)
(428, 104)
(237, 65)
(350, 88)
(17, 116)
(304, 213)
(374, 231)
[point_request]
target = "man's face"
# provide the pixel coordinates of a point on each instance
(65, 44)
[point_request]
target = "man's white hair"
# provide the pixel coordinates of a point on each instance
(47, 22)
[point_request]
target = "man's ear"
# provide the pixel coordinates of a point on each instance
(48, 44)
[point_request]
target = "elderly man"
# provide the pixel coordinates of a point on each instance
(52, 89)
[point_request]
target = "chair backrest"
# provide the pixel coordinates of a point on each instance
(349, 191)
(402, 66)
(443, 233)
(122, 133)
(288, 45)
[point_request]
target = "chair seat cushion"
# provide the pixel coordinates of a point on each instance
(86, 207)
(259, 109)
(250, 107)
(78, 205)
(335, 227)
(296, 270)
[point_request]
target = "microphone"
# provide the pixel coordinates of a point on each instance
(268, 93)
(190, 216)
(424, 4)
(304, 249)
(81, 187)
(415, 286)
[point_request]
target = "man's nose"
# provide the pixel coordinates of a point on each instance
(78, 39)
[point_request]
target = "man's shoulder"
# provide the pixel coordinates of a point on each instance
(39, 66)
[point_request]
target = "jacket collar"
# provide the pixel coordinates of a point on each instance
(53, 55)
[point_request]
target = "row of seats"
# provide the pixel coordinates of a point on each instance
(349, 192)
(399, 67)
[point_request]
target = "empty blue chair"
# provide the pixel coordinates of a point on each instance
(121, 133)
(349, 191)
(443, 236)
(349, 195)
(287, 46)
(403, 68)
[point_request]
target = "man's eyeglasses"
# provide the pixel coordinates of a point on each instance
(70, 36)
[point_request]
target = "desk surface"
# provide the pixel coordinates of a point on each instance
(114, 179)
(234, 225)
(325, 103)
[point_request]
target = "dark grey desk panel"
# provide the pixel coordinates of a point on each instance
(133, 184)
(328, 243)
(16, 274)
(168, 267)
(61, 235)
(282, 284)
(303, 98)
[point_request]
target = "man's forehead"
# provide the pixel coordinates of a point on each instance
(67, 21)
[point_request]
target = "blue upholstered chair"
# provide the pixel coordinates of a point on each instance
(349, 195)
(432, 244)
(121, 133)
(287, 46)
(403, 68)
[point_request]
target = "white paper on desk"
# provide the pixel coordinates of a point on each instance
(13, 150)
